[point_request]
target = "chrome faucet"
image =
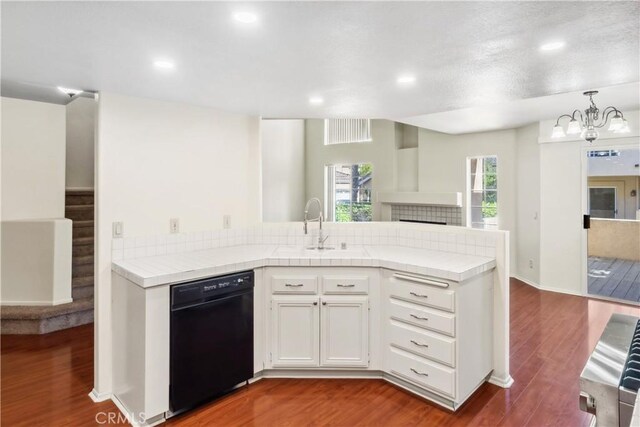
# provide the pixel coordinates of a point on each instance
(319, 219)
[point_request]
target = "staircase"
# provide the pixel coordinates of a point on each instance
(44, 319)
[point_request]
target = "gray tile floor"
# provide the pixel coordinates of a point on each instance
(614, 278)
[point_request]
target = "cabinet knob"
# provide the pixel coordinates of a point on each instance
(324, 303)
(315, 303)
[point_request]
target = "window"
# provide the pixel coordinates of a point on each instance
(349, 192)
(346, 131)
(482, 194)
(602, 202)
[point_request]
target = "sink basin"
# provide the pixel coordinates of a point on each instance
(327, 252)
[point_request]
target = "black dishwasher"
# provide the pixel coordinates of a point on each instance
(211, 338)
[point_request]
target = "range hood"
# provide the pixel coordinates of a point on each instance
(421, 198)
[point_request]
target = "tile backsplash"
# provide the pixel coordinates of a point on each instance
(450, 215)
(464, 241)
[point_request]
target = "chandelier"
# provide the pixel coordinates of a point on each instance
(587, 125)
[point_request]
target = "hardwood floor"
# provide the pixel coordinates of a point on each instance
(45, 380)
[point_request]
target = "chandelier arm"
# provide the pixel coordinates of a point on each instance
(605, 117)
(564, 115)
(573, 115)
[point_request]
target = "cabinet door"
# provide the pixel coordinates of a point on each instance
(345, 332)
(295, 332)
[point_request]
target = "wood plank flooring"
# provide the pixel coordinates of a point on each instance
(45, 380)
(614, 278)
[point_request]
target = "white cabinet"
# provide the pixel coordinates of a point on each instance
(294, 331)
(344, 334)
(312, 326)
(438, 334)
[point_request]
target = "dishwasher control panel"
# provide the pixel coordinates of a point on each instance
(203, 290)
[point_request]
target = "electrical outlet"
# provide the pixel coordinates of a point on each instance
(117, 229)
(530, 263)
(226, 221)
(174, 225)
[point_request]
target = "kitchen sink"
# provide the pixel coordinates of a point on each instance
(313, 252)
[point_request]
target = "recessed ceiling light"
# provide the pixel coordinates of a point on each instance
(552, 46)
(406, 79)
(70, 92)
(164, 64)
(245, 17)
(316, 100)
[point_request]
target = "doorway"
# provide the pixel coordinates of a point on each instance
(613, 238)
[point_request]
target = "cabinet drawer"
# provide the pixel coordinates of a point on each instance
(423, 317)
(423, 343)
(345, 285)
(294, 284)
(423, 294)
(422, 372)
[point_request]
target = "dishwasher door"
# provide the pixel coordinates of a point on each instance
(211, 349)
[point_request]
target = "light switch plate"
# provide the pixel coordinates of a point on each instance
(174, 225)
(226, 221)
(117, 229)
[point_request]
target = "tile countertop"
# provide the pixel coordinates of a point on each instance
(167, 269)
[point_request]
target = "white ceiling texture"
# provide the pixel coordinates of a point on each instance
(463, 55)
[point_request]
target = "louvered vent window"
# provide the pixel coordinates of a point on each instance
(346, 131)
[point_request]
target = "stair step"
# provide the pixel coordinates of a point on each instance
(80, 241)
(45, 319)
(79, 197)
(83, 231)
(78, 282)
(82, 260)
(23, 312)
(80, 292)
(79, 212)
(80, 250)
(82, 270)
(83, 223)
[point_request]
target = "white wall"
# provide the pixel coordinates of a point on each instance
(527, 204)
(36, 262)
(283, 177)
(158, 160)
(33, 159)
(443, 163)
(80, 143)
(381, 153)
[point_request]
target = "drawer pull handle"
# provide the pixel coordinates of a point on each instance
(293, 286)
(419, 345)
(419, 373)
(420, 280)
(340, 285)
(419, 295)
(418, 317)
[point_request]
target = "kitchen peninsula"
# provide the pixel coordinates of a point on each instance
(404, 302)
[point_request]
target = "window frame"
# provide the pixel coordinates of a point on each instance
(469, 190)
(330, 190)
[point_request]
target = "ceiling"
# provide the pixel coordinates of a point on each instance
(513, 114)
(463, 54)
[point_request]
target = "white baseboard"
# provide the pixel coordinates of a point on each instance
(140, 421)
(501, 382)
(97, 397)
(548, 288)
(37, 303)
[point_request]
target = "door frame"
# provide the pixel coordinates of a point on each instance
(601, 144)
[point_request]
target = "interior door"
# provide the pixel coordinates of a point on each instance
(295, 331)
(345, 332)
